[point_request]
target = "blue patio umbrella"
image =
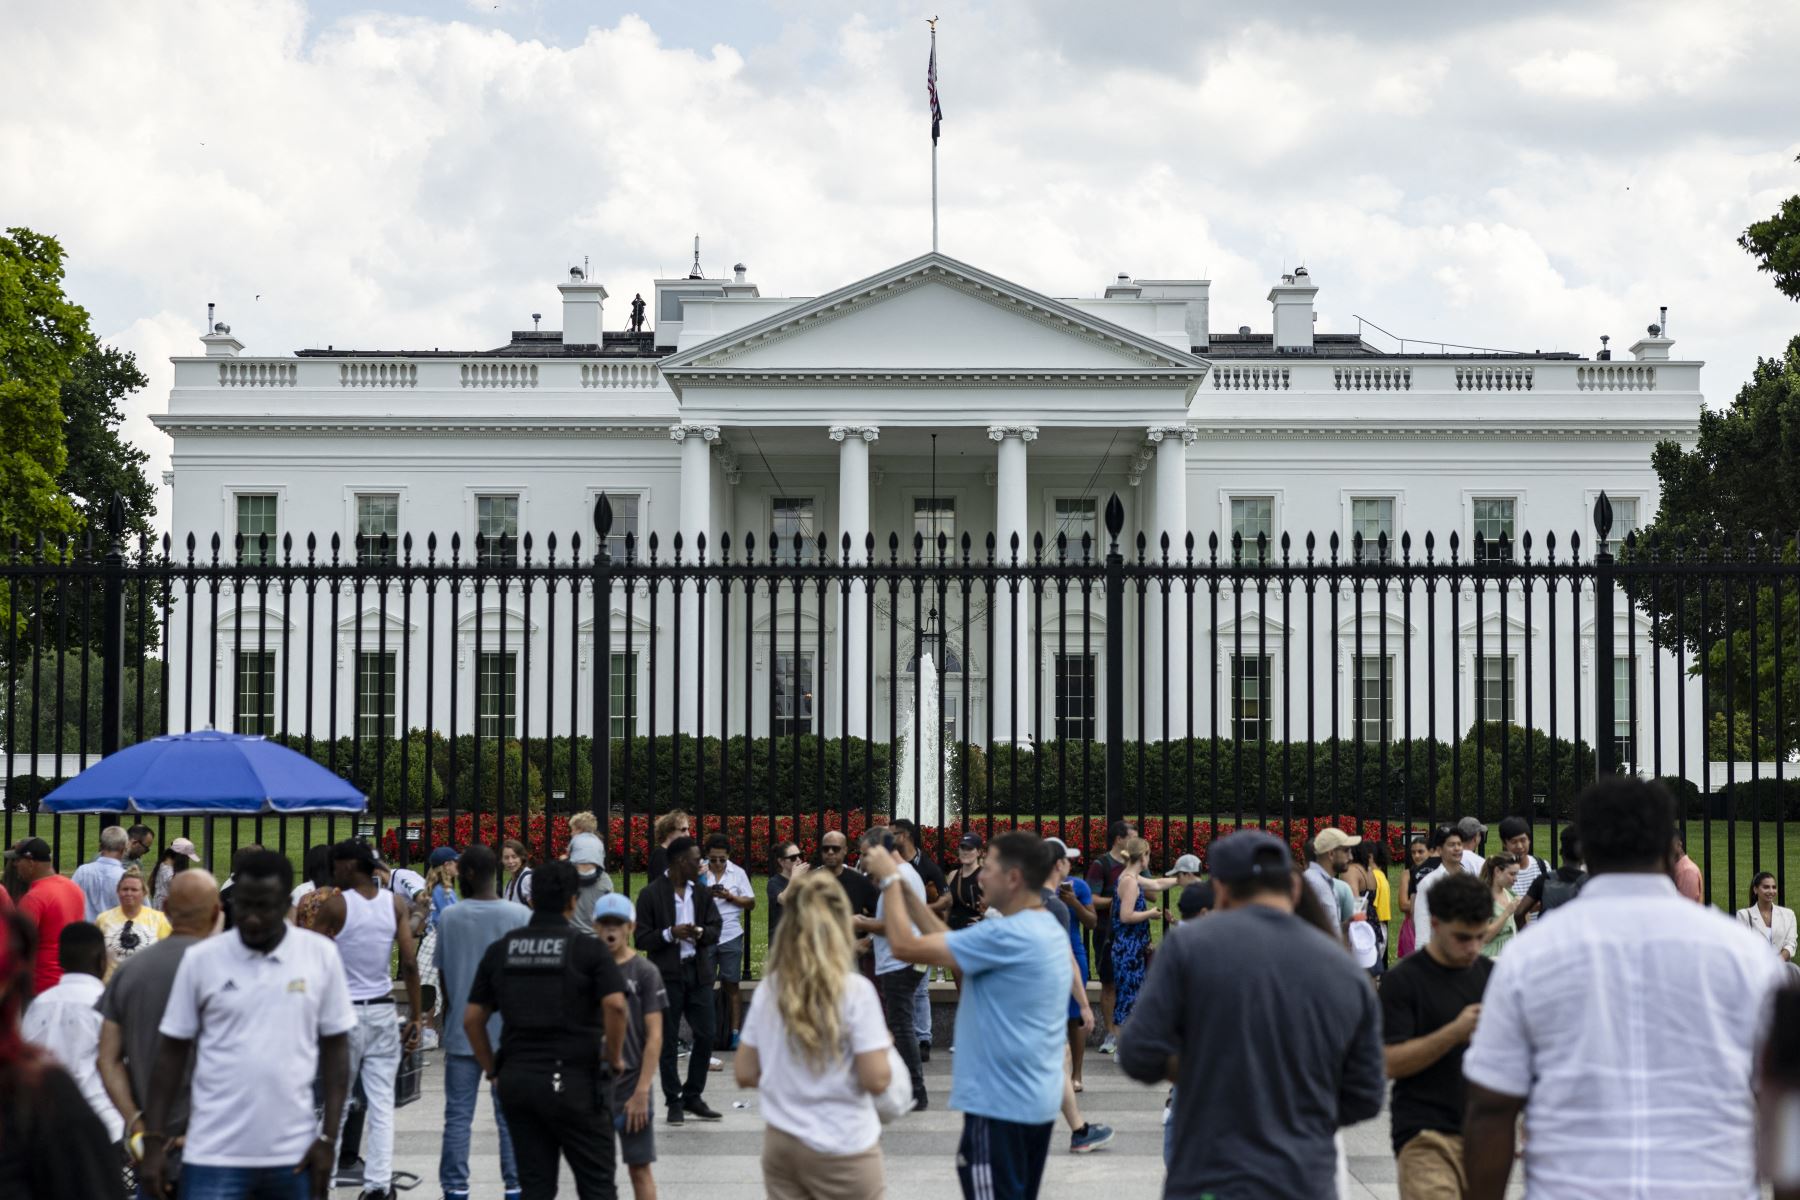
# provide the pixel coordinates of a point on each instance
(206, 772)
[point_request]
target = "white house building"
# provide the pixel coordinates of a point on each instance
(931, 397)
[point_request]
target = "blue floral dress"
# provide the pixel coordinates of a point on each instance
(1130, 950)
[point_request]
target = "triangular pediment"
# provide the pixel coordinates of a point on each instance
(933, 315)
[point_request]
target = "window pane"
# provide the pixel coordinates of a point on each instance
(1372, 518)
(1623, 743)
(255, 692)
(624, 696)
(1075, 696)
(496, 530)
(627, 512)
(793, 516)
(793, 692)
(1493, 528)
(378, 529)
(496, 695)
(1494, 688)
(1250, 712)
(375, 695)
(934, 515)
(1625, 518)
(1373, 705)
(1253, 517)
(255, 519)
(1075, 516)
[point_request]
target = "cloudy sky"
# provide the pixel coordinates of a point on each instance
(421, 172)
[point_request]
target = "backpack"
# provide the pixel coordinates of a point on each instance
(1559, 891)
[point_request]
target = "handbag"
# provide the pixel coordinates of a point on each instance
(897, 1100)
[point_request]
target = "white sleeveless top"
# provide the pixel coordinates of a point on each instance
(366, 943)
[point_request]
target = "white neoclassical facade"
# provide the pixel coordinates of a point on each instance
(932, 397)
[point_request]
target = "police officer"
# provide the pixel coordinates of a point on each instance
(557, 993)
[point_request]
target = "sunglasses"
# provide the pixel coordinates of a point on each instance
(794, 857)
(831, 849)
(719, 861)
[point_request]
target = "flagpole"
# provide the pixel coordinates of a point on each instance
(934, 231)
(934, 136)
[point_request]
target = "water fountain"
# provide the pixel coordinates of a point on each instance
(921, 752)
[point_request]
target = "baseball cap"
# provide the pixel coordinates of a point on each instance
(1187, 864)
(585, 850)
(442, 855)
(36, 849)
(1333, 839)
(1235, 857)
(969, 842)
(184, 846)
(614, 906)
(1062, 848)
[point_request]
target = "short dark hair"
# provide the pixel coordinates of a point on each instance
(775, 848)
(1462, 898)
(1570, 841)
(553, 885)
(242, 853)
(357, 851)
(137, 831)
(1512, 827)
(876, 835)
(316, 866)
(266, 864)
(1627, 824)
(1196, 898)
(719, 841)
(1117, 830)
(902, 825)
(677, 848)
(81, 948)
(476, 869)
(1442, 834)
(1024, 852)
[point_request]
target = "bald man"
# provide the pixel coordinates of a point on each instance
(132, 1005)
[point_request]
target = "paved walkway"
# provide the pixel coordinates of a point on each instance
(719, 1161)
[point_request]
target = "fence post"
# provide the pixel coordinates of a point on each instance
(1115, 663)
(1606, 750)
(112, 633)
(600, 737)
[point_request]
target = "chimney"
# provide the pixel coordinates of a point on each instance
(218, 340)
(582, 300)
(1653, 346)
(1292, 299)
(739, 273)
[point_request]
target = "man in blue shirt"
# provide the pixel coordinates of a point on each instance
(1017, 971)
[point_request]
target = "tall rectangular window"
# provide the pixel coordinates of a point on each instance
(934, 515)
(1076, 519)
(1253, 517)
(378, 530)
(1494, 688)
(254, 688)
(1372, 707)
(496, 530)
(1372, 518)
(1493, 528)
(793, 692)
(1075, 696)
(256, 525)
(624, 696)
(1624, 745)
(793, 517)
(375, 702)
(627, 518)
(1627, 518)
(496, 695)
(1250, 712)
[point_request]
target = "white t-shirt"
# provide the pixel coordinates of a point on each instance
(256, 1020)
(830, 1112)
(731, 917)
(407, 883)
(64, 1021)
(885, 961)
(1421, 915)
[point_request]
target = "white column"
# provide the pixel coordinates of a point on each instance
(1172, 660)
(696, 515)
(853, 519)
(1010, 674)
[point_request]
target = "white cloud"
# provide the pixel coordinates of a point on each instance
(1522, 179)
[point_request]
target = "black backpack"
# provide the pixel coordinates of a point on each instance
(1559, 891)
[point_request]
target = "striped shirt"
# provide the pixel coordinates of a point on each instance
(1527, 875)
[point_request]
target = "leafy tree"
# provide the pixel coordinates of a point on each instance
(34, 718)
(101, 463)
(42, 337)
(1775, 244)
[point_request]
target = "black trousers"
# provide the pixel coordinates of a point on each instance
(898, 989)
(557, 1113)
(690, 996)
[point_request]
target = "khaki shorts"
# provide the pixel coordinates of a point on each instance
(1431, 1167)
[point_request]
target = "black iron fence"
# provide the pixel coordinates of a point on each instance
(774, 689)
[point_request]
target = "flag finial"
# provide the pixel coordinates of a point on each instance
(932, 21)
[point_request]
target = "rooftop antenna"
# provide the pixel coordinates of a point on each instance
(585, 273)
(535, 318)
(694, 272)
(209, 316)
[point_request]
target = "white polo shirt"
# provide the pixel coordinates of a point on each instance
(1629, 1022)
(256, 1020)
(731, 917)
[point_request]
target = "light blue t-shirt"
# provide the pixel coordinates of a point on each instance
(885, 961)
(1012, 1020)
(464, 933)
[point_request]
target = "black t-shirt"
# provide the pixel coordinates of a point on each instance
(777, 885)
(1419, 995)
(592, 972)
(965, 900)
(1103, 881)
(658, 864)
(931, 874)
(1421, 871)
(861, 890)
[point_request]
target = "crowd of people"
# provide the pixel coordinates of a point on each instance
(246, 1039)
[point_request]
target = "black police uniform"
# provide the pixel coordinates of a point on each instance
(547, 982)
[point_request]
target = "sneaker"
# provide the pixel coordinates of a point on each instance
(713, 1064)
(924, 1052)
(1110, 1045)
(920, 1104)
(682, 1049)
(699, 1109)
(429, 1039)
(349, 1174)
(676, 1116)
(377, 1194)
(1089, 1137)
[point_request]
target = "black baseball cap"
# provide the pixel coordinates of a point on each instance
(36, 849)
(1243, 856)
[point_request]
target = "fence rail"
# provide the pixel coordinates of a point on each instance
(782, 684)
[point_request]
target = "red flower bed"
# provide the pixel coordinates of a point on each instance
(752, 837)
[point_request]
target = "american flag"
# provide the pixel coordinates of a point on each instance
(937, 112)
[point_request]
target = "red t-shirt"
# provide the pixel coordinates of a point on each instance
(51, 903)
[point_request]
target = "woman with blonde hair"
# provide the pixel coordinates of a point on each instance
(1131, 913)
(815, 1044)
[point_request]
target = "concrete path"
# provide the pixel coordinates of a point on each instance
(719, 1161)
